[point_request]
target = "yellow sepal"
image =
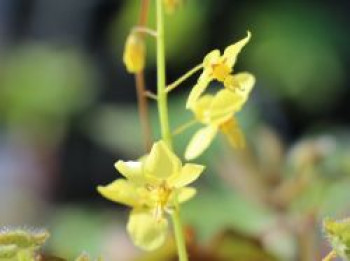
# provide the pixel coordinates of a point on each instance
(145, 230)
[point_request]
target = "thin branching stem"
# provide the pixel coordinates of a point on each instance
(184, 127)
(145, 30)
(184, 77)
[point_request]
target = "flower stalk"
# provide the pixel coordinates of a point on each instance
(183, 78)
(161, 79)
(179, 235)
(164, 120)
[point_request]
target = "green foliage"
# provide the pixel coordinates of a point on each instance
(42, 86)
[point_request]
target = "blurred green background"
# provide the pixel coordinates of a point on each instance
(68, 111)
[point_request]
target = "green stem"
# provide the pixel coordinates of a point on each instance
(179, 235)
(184, 127)
(184, 77)
(164, 119)
(162, 94)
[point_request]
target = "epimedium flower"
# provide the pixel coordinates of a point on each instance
(152, 187)
(134, 55)
(216, 112)
(220, 67)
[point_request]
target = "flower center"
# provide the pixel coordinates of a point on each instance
(160, 195)
(220, 71)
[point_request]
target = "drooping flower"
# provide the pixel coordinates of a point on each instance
(134, 53)
(152, 187)
(220, 67)
(216, 112)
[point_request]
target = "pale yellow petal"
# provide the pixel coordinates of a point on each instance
(200, 142)
(240, 83)
(211, 58)
(224, 105)
(198, 89)
(132, 170)
(181, 195)
(201, 108)
(121, 191)
(147, 232)
(161, 162)
(185, 194)
(188, 174)
(234, 134)
(231, 52)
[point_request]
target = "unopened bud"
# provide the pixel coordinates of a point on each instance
(172, 5)
(134, 53)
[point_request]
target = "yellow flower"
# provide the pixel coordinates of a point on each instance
(216, 113)
(152, 187)
(220, 67)
(134, 53)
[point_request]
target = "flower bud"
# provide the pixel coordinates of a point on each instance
(171, 5)
(134, 53)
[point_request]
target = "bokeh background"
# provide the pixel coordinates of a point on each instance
(68, 111)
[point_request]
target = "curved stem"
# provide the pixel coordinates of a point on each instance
(184, 77)
(162, 94)
(145, 30)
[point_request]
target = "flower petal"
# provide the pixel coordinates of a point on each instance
(200, 142)
(185, 194)
(201, 108)
(121, 191)
(161, 162)
(132, 170)
(181, 195)
(188, 174)
(211, 58)
(231, 52)
(233, 133)
(224, 104)
(147, 232)
(240, 83)
(198, 89)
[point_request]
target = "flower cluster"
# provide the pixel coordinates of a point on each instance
(152, 187)
(216, 111)
(155, 185)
